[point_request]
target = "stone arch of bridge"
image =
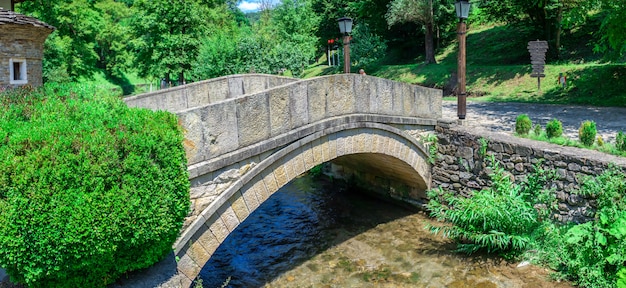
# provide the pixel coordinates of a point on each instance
(374, 144)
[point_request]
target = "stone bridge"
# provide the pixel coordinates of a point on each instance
(248, 135)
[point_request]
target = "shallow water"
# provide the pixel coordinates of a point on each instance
(314, 234)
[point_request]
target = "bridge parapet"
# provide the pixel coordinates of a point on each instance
(206, 92)
(220, 128)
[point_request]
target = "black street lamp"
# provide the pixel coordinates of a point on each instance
(462, 8)
(345, 27)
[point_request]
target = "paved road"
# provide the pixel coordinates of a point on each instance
(500, 117)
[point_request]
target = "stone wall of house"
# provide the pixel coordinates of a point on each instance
(461, 165)
(22, 42)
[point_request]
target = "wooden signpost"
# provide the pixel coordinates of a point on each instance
(538, 51)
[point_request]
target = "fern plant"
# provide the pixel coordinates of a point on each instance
(620, 141)
(499, 219)
(593, 254)
(621, 278)
(432, 143)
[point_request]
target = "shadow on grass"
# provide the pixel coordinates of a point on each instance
(320, 70)
(124, 84)
(603, 85)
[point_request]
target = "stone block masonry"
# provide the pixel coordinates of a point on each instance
(206, 92)
(462, 167)
(22, 38)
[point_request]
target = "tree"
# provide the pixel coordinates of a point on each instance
(368, 48)
(69, 51)
(612, 29)
(291, 29)
(423, 12)
(548, 17)
(168, 36)
(115, 34)
(219, 53)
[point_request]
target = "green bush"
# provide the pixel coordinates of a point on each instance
(593, 254)
(523, 124)
(500, 219)
(620, 141)
(89, 188)
(537, 130)
(587, 133)
(554, 128)
(621, 278)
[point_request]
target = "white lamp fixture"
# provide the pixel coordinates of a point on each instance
(462, 8)
(345, 25)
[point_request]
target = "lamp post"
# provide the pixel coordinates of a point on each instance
(345, 27)
(462, 11)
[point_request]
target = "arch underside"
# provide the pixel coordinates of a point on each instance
(374, 147)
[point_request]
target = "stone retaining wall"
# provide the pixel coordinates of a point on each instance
(461, 167)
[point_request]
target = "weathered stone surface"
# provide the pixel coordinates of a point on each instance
(341, 99)
(309, 158)
(299, 105)
(364, 87)
(261, 192)
(218, 228)
(518, 156)
(198, 254)
(574, 167)
(253, 84)
(188, 267)
(465, 153)
(194, 140)
(317, 92)
(229, 217)
(253, 123)
(208, 240)
(238, 204)
(217, 91)
(280, 112)
(205, 92)
(382, 101)
(219, 129)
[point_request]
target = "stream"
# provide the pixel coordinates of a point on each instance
(315, 233)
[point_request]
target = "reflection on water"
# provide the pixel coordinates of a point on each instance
(314, 234)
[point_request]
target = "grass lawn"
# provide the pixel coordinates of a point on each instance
(130, 84)
(498, 69)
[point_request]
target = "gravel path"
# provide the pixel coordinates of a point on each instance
(500, 117)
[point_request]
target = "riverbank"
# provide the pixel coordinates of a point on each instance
(318, 233)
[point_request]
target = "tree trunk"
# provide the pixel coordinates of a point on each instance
(559, 30)
(430, 47)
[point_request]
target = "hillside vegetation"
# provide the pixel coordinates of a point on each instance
(498, 69)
